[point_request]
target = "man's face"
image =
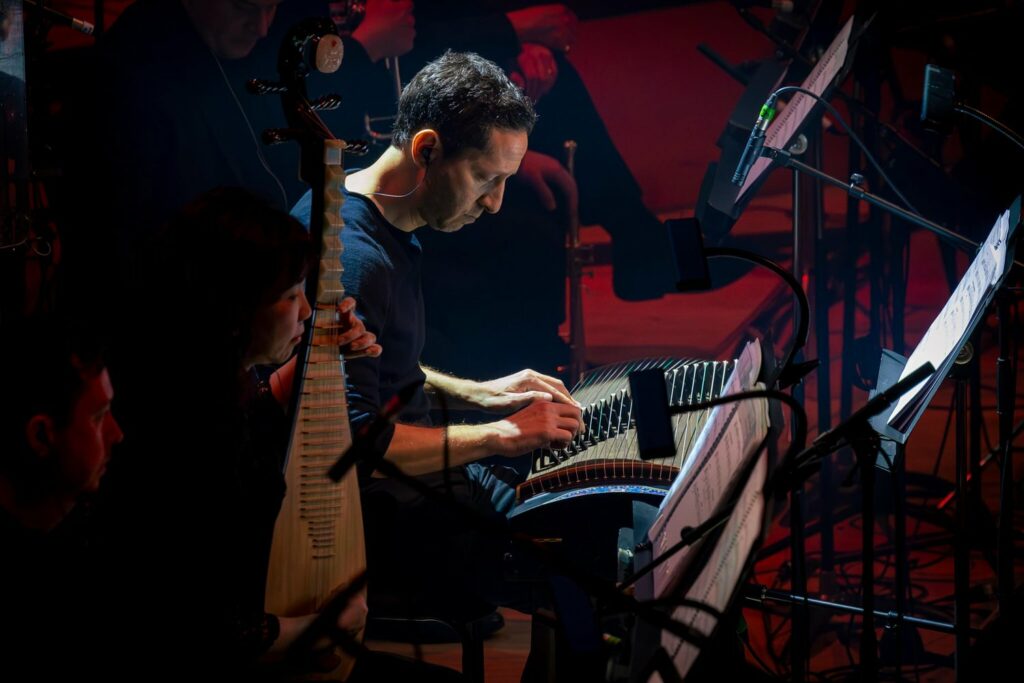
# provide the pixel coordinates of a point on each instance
(457, 191)
(232, 27)
(83, 446)
(277, 327)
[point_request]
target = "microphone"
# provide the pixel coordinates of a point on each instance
(364, 441)
(60, 19)
(755, 143)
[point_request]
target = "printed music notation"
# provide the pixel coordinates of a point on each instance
(732, 435)
(716, 583)
(726, 443)
(948, 332)
(789, 121)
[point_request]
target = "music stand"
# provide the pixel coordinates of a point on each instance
(941, 345)
(955, 323)
(725, 479)
(728, 199)
(721, 203)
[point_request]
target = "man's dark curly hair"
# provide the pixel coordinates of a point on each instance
(463, 97)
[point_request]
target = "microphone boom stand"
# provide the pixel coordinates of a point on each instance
(786, 159)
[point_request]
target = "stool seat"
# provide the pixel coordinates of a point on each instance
(468, 629)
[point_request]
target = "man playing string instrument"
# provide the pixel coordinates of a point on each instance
(461, 132)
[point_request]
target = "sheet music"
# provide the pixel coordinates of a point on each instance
(717, 581)
(783, 129)
(946, 333)
(728, 439)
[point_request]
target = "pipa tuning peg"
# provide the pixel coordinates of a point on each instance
(357, 147)
(326, 103)
(258, 86)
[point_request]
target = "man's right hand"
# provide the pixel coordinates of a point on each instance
(542, 424)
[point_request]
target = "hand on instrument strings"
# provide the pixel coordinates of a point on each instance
(353, 339)
(542, 424)
(537, 71)
(352, 619)
(351, 622)
(553, 26)
(321, 657)
(513, 392)
(388, 29)
(546, 177)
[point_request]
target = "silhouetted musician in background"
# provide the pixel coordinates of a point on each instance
(57, 433)
(168, 116)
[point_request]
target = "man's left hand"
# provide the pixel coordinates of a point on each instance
(508, 394)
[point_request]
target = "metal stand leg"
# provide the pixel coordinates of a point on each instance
(799, 640)
(961, 549)
(1006, 390)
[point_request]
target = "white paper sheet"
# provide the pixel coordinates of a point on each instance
(945, 334)
(790, 119)
(717, 581)
(729, 437)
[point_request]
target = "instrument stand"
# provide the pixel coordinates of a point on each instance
(884, 447)
(891, 366)
(810, 255)
(759, 594)
(961, 546)
(1005, 407)
(799, 641)
(857, 432)
(891, 456)
(865, 443)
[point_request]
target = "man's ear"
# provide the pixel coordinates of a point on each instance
(426, 147)
(40, 433)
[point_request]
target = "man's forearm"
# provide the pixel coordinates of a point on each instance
(460, 393)
(420, 450)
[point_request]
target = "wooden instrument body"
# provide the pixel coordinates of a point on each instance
(318, 540)
(318, 547)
